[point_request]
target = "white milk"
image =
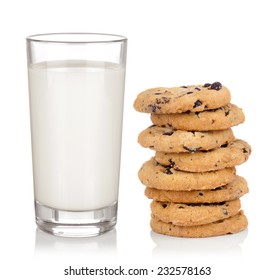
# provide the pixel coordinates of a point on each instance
(76, 120)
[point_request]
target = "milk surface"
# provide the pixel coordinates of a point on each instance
(76, 118)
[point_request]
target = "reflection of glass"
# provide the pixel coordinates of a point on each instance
(76, 88)
(175, 246)
(48, 245)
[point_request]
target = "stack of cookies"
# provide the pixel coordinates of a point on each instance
(192, 176)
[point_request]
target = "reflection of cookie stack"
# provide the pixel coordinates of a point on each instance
(191, 178)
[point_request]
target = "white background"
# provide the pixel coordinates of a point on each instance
(170, 43)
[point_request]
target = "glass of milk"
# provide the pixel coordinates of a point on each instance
(76, 90)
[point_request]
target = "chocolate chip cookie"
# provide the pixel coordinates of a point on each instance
(192, 178)
(233, 190)
(228, 155)
(194, 98)
(183, 214)
(154, 175)
(175, 141)
(216, 119)
(230, 225)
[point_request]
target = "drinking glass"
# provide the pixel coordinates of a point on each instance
(76, 91)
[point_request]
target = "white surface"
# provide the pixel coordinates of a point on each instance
(66, 99)
(170, 43)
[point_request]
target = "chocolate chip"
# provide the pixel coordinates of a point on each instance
(166, 99)
(168, 171)
(227, 113)
(200, 194)
(189, 92)
(157, 93)
(224, 145)
(164, 205)
(172, 163)
(216, 189)
(216, 86)
(197, 104)
(180, 207)
(191, 150)
(183, 87)
(152, 107)
(245, 151)
(163, 100)
(207, 85)
(168, 133)
(158, 101)
(198, 89)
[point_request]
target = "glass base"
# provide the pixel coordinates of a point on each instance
(75, 223)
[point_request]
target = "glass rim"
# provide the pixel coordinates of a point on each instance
(101, 38)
